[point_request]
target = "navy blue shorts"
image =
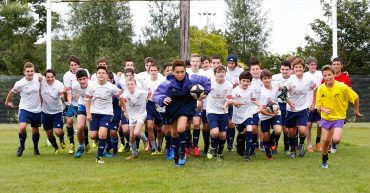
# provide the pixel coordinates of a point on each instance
(217, 121)
(314, 116)
(230, 112)
(114, 124)
(297, 118)
(204, 116)
(183, 105)
(99, 120)
(198, 114)
(29, 117)
(256, 119)
(66, 109)
(153, 114)
(241, 127)
(268, 124)
(282, 107)
(163, 118)
(124, 121)
(52, 121)
(81, 110)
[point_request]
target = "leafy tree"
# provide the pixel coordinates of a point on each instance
(353, 18)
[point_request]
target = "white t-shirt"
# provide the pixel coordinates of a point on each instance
(68, 79)
(80, 92)
(210, 75)
(233, 75)
(115, 77)
(29, 92)
(136, 104)
(317, 77)
(217, 97)
(190, 72)
(298, 92)
(266, 96)
(278, 80)
(247, 99)
(142, 79)
(256, 85)
(101, 97)
(51, 97)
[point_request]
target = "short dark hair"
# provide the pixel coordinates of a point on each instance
(298, 61)
(129, 70)
(28, 65)
(309, 60)
(220, 69)
(111, 75)
(167, 64)
(102, 68)
(204, 58)
(216, 56)
(131, 79)
(327, 68)
(102, 59)
(265, 73)
(253, 61)
(81, 73)
(177, 63)
(50, 71)
(74, 59)
(187, 63)
(155, 64)
(337, 59)
(245, 75)
(148, 59)
(286, 63)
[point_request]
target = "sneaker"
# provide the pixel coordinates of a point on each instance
(154, 152)
(318, 147)
(100, 160)
(302, 150)
(239, 149)
(132, 157)
(88, 149)
(292, 155)
(168, 154)
(107, 155)
(71, 148)
(324, 165)
(246, 157)
(187, 152)
(211, 152)
(147, 146)
(219, 157)
(56, 152)
(182, 161)
(253, 154)
(172, 153)
(262, 149)
(287, 153)
(269, 158)
(121, 148)
(36, 151)
(274, 150)
(127, 147)
(333, 150)
(79, 152)
(159, 151)
(196, 151)
(20, 151)
(63, 145)
(310, 148)
(94, 144)
(230, 148)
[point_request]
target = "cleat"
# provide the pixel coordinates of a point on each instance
(172, 153)
(219, 157)
(274, 150)
(71, 148)
(230, 148)
(318, 147)
(239, 149)
(79, 152)
(182, 161)
(56, 152)
(154, 152)
(269, 158)
(127, 147)
(168, 154)
(63, 145)
(121, 148)
(210, 153)
(36, 151)
(286, 152)
(132, 157)
(187, 152)
(324, 165)
(100, 160)
(20, 151)
(147, 146)
(246, 157)
(262, 149)
(253, 154)
(107, 155)
(310, 148)
(302, 150)
(332, 150)
(177, 165)
(88, 149)
(94, 144)
(292, 155)
(159, 151)
(196, 151)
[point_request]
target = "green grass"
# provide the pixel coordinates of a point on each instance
(348, 170)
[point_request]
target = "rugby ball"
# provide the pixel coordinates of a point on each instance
(196, 91)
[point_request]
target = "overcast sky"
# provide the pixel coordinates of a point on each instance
(289, 19)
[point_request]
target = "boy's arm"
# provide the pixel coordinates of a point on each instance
(313, 104)
(357, 108)
(8, 100)
(160, 94)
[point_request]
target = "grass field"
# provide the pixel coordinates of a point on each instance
(348, 170)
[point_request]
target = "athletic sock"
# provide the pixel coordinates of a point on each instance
(196, 134)
(121, 137)
(159, 143)
(325, 158)
(114, 142)
(254, 142)
(318, 139)
(272, 138)
(86, 135)
(134, 149)
(249, 141)
(206, 135)
(286, 142)
(137, 143)
(22, 139)
(70, 135)
(188, 138)
(176, 146)
(182, 136)
(53, 142)
(152, 144)
(231, 136)
(292, 144)
(267, 148)
(221, 146)
(168, 142)
(101, 147)
(301, 140)
(213, 142)
(127, 137)
(35, 139)
(277, 137)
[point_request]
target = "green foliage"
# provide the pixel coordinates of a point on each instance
(208, 44)
(353, 19)
(248, 31)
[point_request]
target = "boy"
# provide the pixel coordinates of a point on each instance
(217, 112)
(29, 106)
(332, 101)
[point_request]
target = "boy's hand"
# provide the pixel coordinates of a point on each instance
(202, 97)
(167, 101)
(325, 110)
(358, 114)
(88, 116)
(237, 104)
(9, 104)
(126, 115)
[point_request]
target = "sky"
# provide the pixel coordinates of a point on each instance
(289, 19)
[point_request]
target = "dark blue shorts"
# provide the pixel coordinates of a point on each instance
(256, 119)
(268, 124)
(314, 116)
(99, 120)
(217, 121)
(52, 121)
(282, 107)
(296, 118)
(198, 114)
(204, 116)
(163, 118)
(183, 105)
(153, 114)
(124, 121)
(114, 124)
(241, 127)
(230, 112)
(81, 110)
(29, 117)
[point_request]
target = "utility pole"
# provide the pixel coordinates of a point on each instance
(334, 38)
(48, 34)
(184, 28)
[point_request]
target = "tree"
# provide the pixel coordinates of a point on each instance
(353, 18)
(101, 29)
(248, 31)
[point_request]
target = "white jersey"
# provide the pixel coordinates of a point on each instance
(317, 77)
(278, 80)
(298, 92)
(190, 71)
(101, 97)
(29, 92)
(142, 79)
(151, 86)
(80, 92)
(256, 85)
(136, 104)
(51, 97)
(266, 96)
(115, 77)
(210, 75)
(217, 97)
(247, 99)
(68, 79)
(233, 75)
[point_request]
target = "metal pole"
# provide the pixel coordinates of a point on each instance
(184, 28)
(48, 34)
(334, 17)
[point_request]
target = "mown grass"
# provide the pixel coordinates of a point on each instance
(348, 170)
